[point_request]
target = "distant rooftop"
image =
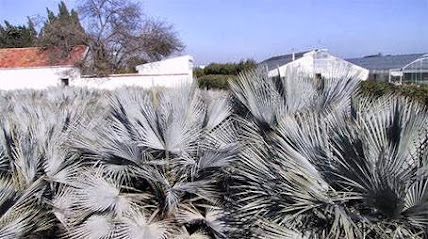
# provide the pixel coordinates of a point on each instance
(39, 57)
(276, 61)
(385, 62)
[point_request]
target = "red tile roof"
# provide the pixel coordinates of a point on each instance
(38, 57)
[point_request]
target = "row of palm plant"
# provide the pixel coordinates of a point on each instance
(131, 164)
(290, 157)
(34, 159)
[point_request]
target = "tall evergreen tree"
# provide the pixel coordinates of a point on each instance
(63, 30)
(17, 36)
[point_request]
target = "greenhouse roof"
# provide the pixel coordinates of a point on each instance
(387, 62)
(277, 61)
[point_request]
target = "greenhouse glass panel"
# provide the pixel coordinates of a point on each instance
(417, 71)
(421, 63)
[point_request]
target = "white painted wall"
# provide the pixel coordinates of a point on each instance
(35, 78)
(320, 62)
(167, 73)
(177, 65)
(126, 80)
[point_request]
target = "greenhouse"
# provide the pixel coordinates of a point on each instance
(414, 72)
(410, 68)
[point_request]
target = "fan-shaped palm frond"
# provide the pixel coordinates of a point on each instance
(184, 234)
(269, 230)
(136, 225)
(211, 219)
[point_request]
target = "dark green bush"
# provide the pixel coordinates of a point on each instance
(377, 89)
(229, 68)
(216, 75)
(198, 72)
(215, 81)
(226, 68)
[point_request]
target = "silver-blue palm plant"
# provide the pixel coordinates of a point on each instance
(34, 157)
(328, 163)
(159, 159)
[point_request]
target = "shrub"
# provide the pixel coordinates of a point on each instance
(226, 68)
(219, 82)
(216, 75)
(415, 92)
(229, 68)
(198, 72)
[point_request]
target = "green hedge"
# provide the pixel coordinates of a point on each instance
(377, 89)
(216, 75)
(228, 68)
(215, 81)
(225, 68)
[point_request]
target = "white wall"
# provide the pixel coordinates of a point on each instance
(166, 73)
(35, 78)
(116, 81)
(177, 65)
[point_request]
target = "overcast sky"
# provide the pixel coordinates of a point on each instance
(230, 30)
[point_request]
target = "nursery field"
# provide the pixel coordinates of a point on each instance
(272, 158)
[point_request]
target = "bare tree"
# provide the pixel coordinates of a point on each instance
(120, 35)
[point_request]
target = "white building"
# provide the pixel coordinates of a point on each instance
(35, 68)
(166, 73)
(315, 63)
